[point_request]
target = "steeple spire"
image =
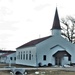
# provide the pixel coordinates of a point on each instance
(56, 23)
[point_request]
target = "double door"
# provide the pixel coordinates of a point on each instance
(57, 61)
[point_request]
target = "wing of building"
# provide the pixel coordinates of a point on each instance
(8, 56)
(53, 49)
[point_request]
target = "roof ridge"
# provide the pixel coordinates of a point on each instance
(33, 42)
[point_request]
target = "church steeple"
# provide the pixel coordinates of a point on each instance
(56, 28)
(56, 22)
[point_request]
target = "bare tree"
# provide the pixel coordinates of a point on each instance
(68, 28)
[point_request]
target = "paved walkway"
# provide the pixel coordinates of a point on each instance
(59, 68)
(70, 69)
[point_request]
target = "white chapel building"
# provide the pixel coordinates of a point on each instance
(53, 49)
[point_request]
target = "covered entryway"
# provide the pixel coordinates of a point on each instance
(59, 55)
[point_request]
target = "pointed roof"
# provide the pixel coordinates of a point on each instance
(56, 23)
(33, 42)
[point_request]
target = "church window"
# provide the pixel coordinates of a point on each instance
(14, 58)
(21, 55)
(10, 58)
(29, 55)
(44, 57)
(69, 59)
(18, 55)
(24, 55)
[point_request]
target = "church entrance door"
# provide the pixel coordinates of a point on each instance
(59, 55)
(57, 61)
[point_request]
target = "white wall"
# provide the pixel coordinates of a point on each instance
(8, 58)
(73, 55)
(47, 47)
(2, 59)
(44, 48)
(65, 61)
(2, 53)
(22, 61)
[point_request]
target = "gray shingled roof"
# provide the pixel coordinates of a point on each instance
(33, 42)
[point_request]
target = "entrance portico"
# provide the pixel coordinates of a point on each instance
(60, 56)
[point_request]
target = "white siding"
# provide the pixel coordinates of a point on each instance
(8, 58)
(28, 61)
(44, 48)
(47, 47)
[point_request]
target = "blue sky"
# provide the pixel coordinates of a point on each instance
(25, 20)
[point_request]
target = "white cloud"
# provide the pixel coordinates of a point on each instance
(24, 20)
(40, 7)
